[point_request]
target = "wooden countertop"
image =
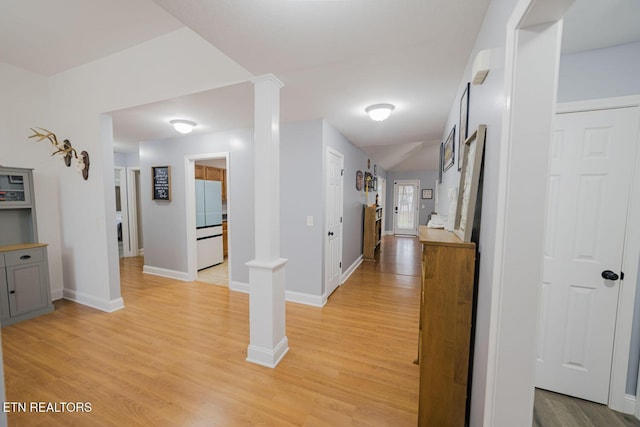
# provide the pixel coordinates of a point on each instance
(439, 236)
(21, 247)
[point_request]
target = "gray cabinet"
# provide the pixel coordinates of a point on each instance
(24, 283)
(24, 272)
(17, 207)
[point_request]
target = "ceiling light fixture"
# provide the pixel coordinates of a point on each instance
(183, 126)
(379, 112)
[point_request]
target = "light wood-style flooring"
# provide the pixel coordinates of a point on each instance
(175, 355)
(557, 410)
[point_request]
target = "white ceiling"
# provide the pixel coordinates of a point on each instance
(334, 56)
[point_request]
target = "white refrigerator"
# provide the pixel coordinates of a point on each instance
(209, 223)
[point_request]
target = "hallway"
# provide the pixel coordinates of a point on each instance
(175, 355)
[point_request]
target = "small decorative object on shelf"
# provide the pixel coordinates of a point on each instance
(65, 150)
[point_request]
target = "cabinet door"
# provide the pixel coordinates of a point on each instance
(224, 184)
(26, 286)
(199, 171)
(4, 296)
(225, 240)
(15, 188)
(213, 174)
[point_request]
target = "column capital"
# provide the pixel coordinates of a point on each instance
(268, 78)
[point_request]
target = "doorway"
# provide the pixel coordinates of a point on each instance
(592, 158)
(382, 201)
(135, 245)
(405, 207)
(122, 216)
(209, 167)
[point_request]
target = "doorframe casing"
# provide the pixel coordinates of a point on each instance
(133, 211)
(417, 204)
(190, 207)
(619, 400)
(124, 208)
(330, 150)
(382, 189)
(504, 391)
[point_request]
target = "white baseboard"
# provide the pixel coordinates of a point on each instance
(353, 267)
(629, 404)
(89, 300)
(307, 299)
(57, 294)
(290, 296)
(266, 356)
(164, 272)
(239, 287)
(387, 233)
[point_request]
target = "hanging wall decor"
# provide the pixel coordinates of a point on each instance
(65, 150)
(359, 180)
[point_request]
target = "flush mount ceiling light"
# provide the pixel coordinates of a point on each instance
(379, 112)
(183, 126)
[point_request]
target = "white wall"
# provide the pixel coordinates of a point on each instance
(149, 72)
(486, 106)
(427, 180)
(302, 195)
(600, 73)
(126, 159)
(353, 201)
(25, 104)
(164, 223)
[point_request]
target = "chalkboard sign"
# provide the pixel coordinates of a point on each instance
(161, 176)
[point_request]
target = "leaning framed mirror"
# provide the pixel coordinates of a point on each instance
(469, 179)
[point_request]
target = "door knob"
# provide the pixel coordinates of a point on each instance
(330, 233)
(609, 275)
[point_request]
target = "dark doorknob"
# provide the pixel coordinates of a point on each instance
(609, 275)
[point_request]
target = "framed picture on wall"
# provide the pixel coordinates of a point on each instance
(427, 193)
(463, 128)
(359, 180)
(161, 183)
(440, 164)
(449, 150)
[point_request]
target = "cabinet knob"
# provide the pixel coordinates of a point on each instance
(12, 292)
(25, 257)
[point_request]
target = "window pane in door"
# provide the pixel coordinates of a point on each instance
(406, 211)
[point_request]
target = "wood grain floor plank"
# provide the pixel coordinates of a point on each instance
(175, 356)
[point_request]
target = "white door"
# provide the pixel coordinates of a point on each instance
(590, 174)
(405, 207)
(333, 233)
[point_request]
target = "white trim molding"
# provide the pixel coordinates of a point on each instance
(268, 357)
(290, 296)
(352, 268)
(239, 287)
(165, 272)
(532, 53)
(306, 299)
(108, 306)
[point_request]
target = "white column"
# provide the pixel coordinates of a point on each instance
(267, 340)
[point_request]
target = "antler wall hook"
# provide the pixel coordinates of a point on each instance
(65, 150)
